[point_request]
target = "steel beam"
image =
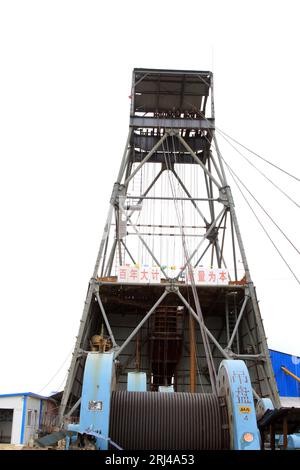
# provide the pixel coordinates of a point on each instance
(73, 408)
(106, 320)
(198, 161)
(237, 322)
(190, 196)
(200, 243)
(171, 123)
(213, 339)
(144, 243)
(139, 326)
(159, 143)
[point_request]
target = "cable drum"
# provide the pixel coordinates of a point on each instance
(167, 421)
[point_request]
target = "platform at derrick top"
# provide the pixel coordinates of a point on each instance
(166, 90)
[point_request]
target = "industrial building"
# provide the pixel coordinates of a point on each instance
(287, 373)
(24, 415)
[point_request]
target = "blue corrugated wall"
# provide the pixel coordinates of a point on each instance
(287, 385)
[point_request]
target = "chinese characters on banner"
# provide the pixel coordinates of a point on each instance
(153, 275)
(208, 276)
(144, 274)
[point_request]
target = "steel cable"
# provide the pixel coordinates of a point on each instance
(260, 223)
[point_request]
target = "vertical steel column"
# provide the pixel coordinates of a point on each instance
(192, 354)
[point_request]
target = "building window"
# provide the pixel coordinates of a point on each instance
(29, 418)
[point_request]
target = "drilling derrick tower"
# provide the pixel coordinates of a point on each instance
(171, 295)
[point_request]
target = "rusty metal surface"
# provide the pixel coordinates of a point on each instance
(167, 421)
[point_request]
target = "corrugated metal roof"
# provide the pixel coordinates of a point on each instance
(287, 385)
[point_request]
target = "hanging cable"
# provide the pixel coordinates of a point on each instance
(257, 155)
(246, 148)
(209, 358)
(263, 174)
(267, 214)
(62, 382)
(57, 372)
(262, 208)
(260, 223)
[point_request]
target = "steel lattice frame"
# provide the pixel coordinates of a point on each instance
(171, 126)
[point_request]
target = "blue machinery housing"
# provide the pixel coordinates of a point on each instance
(234, 386)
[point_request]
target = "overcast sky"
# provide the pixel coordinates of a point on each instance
(64, 108)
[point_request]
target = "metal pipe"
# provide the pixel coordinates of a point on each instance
(192, 354)
(138, 352)
(290, 373)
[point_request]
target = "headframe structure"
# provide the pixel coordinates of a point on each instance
(171, 292)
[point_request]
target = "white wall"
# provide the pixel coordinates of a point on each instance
(15, 403)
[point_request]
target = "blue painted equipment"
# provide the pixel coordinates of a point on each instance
(95, 401)
(293, 441)
(102, 410)
(136, 382)
(166, 388)
(234, 385)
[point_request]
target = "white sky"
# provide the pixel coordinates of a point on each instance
(64, 85)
